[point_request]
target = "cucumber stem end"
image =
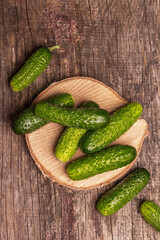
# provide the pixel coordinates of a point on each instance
(53, 48)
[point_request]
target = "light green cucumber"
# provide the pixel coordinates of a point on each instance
(118, 196)
(32, 68)
(151, 213)
(27, 121)
(73, 117)
(68, 143)
(103, 161)
(120, 121)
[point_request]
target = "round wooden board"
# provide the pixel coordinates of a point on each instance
(42, 142)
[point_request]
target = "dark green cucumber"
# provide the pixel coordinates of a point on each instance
(32, 68)
(62, 100)
(73, 117)
(121, 121)
(118, 196)
(151, 213)
(89, 104)
(68, 143)
(103, 161)
(27, 121)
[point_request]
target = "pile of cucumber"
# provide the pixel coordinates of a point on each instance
(92, 129)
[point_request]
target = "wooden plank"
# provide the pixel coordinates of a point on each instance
(116, 42)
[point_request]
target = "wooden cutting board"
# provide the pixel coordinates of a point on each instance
(42, 142)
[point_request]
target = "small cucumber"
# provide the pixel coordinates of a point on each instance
(89, 104)
(68, 143)
(27, 121)
(32, 68)
(121, 121)
(151, 213)
(118, 196)
(103, 161)
(73, 117)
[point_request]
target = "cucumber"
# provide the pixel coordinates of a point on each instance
(32, 68)
(103, 161)
(118, 196)
(121, 121)
(89, 104)
(27, 121)
(72, 117)
(68, 143)
(151, 213)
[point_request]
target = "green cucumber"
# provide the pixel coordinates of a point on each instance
(27, 121)
(103, 161)
(73, 117)
(89, 104)
(68, 143)
(121, 121)
(151, 213)
(32, 68)
(118, 196)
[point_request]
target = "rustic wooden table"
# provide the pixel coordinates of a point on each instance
(116, 42)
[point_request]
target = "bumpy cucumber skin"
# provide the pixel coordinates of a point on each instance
(62, 100)
(72, 117)
(103, 161)
(118, 196)
(27, 121)
(151, 213)
(120, 122)
(32, 68)
(69, 141)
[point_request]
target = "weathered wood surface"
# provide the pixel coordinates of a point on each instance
(116, 42)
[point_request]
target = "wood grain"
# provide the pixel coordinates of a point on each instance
(42, 142)
(116, 42)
